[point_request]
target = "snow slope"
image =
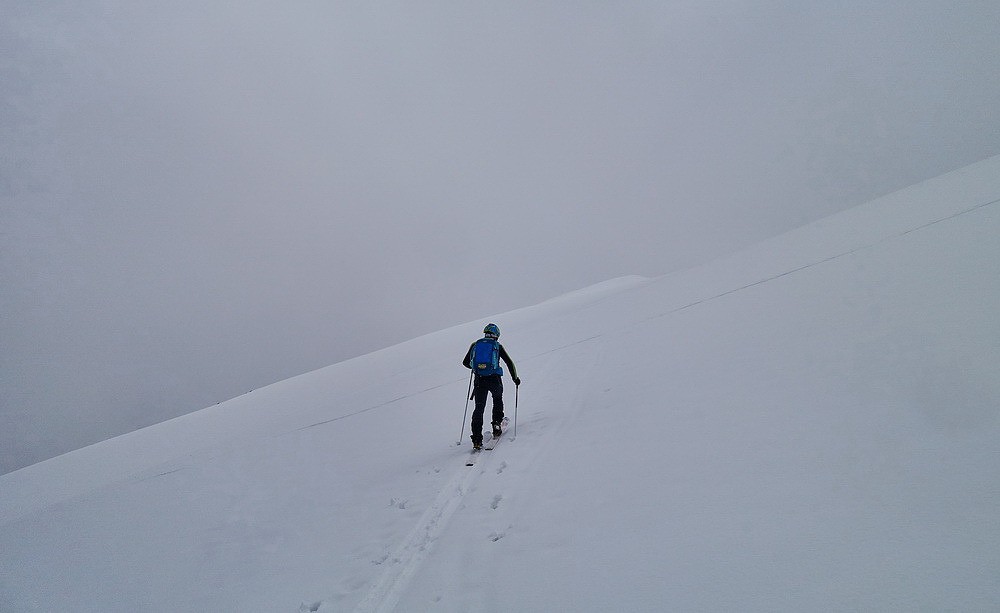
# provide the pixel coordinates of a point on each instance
(810, 424)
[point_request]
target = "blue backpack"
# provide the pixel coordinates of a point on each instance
(486, 357)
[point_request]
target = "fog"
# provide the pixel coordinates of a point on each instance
(198, 199)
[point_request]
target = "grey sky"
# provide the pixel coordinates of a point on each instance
(200, 200)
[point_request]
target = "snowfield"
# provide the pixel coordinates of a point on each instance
(808, 425)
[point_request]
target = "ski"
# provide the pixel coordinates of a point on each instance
(489, 445)
(492, 444)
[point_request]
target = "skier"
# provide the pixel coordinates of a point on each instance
(484, 358)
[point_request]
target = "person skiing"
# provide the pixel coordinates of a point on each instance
(484, 358)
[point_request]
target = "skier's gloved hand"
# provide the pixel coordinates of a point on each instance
(517, 381)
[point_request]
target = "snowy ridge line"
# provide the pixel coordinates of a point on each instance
(378, 406)
(405, 561)
(560, 348)
(824, 260)
(952, 216)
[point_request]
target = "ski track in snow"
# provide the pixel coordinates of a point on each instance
(403, 562)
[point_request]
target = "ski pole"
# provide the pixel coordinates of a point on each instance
(464, 415)
(517, 388)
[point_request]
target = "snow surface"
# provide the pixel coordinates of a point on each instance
(809, 425)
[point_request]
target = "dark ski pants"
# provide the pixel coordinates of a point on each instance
(492, 384)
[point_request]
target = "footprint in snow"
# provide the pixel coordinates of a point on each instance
(503, 465)
(311, 608)
(398, 503)
(496, 501)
